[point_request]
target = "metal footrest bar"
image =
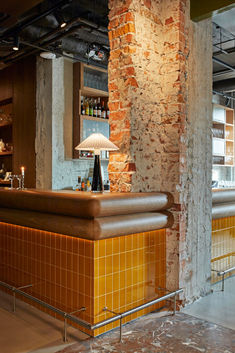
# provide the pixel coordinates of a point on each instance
(223, 273)
(134, 310)
(84, 323)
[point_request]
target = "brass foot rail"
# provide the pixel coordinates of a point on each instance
(84, 323)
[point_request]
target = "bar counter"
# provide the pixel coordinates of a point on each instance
(91, 250)
(223, 231)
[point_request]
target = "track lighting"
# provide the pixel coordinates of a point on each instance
(60, 19)
(16, 43)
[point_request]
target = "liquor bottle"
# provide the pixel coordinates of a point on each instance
(79, 185)
(83, 185)
(88, 185)
(103, 111)
(82, 107)
(95, 111)
(98, 109)
(107, 112)
(91, 107)
(87, 107)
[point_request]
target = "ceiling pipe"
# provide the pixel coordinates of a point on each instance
(75, 57)
(220, 62)
(66, 32)
(47, 35)
(223, 94)
(19, 27)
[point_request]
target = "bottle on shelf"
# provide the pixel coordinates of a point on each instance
(87, 108)
(103, 111)
(2, 171)
(82, 106)
(91, 107)
(79, 185)
(98, 109)
(88, 185)
(107, 112)
(83, 188)
(95, 111)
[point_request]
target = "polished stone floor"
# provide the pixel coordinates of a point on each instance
(172, 334)
(207, 326)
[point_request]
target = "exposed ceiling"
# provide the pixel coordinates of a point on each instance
(39, 28)
(224, 53)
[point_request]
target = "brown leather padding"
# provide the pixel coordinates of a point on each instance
(83, 204)
(223, 196)
(92, 229)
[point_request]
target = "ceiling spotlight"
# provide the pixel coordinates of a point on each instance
(60, 19)
(16, 43)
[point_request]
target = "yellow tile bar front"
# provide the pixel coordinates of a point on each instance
(69, 273)
(223, 245)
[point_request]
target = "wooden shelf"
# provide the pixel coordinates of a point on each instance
(93, 92)
(223, 133)
(5, 182)
(93, 118)
(7, 153)
(5, 124)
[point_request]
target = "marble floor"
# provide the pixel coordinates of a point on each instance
(207, 326)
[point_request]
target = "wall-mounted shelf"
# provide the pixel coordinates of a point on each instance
(6, 153)
(223, 136)
(91, 83)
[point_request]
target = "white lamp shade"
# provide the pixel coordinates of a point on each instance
(96, 142)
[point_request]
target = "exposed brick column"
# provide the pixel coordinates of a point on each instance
(163, 134)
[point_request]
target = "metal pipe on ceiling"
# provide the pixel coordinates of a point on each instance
(223, 94)
(222, 63)
(19, 27)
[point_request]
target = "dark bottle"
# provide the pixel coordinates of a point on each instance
(98, 109)
(107, 112)
(91, 107)
(103, 111)
(79, 184)
(95, 111)
(82, 107)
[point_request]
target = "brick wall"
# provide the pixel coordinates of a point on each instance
(154, 120)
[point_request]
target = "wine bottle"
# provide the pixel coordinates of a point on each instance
(87, 107)
(95, 112)
(91, 107)
(82, 107)
(107, 112)
(98, 109)
(103, 111)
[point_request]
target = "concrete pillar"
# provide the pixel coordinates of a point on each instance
(160, 79)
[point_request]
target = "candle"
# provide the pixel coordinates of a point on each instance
(22, 171)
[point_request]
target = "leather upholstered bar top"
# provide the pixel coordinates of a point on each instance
(84, 204)
(223, 203)
(86, 215)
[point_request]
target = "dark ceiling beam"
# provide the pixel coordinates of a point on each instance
(225, 85)
(201, 9)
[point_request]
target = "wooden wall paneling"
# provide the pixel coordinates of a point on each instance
(24, 115)
(6, 83)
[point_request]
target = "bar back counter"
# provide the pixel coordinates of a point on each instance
(89, 250)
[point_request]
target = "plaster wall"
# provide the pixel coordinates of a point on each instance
(55, 167)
